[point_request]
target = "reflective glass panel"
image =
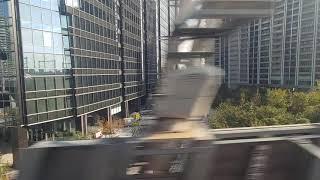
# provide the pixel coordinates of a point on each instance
(58, 62)
(57, 43)
(49, 83)
(38, 41)
(60, 103)
(25, 15)
(39, 62)
(47, 39)
(28, 60)
(59, 82)
(49, 63)
(51, 104)
(56, 27)
(36, 17)
(46, 20)
(40, 85)
(27, 41)
(42, 105)
(30, 85)
(46, 4)
(35, 2)
(54, 5)
(31, 107)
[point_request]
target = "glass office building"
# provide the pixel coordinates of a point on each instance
(9, 96)
(46, 61)
(151, 46)
(63, 62)
(132, 54)
(166, 11)
(281, 51)
(95, 56)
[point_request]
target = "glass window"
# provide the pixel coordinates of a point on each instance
(25, 1)
(75, 3)
(59, 62)
(40, 85)
(25, 15)
(37, 41)
(46, 20)
(29, 82)
(56, 26)
(36, 17)
(42, 105)
(65, 42)
(35, 2)
(49, 62)
(67, 62)
(67, 82)
(28, 61)
(54, 5)
(39, 62)
(47, 39)
(51, 103)
(46, 4)
(60, 103)
(57, 43)
(64, 23)
(50, 83)
(27, 40)
(68, 102)
(59, 82)
(31, 107)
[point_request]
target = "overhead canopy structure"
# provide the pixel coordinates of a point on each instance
(191, 46)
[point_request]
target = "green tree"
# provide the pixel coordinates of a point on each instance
(312, 113)
(243, 96)
(300, 120)
(256, 100)
(266, 115)
(298, 102)
(285, 118)
(278, 98)
(313, 98)
(228, 116)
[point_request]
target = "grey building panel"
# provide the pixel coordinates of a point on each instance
(282, 50)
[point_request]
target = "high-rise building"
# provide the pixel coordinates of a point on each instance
(151, 66)
(281, 51)
(132, 53)
(64, 62)
(9, 97)
(166, 12)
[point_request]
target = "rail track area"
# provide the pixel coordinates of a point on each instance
(277, 153)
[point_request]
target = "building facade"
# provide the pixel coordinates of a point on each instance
(281, 51)
(166, 12)
(65, 62)
(151, 64)
(9, 97)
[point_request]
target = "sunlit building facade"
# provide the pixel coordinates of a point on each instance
(65, 62)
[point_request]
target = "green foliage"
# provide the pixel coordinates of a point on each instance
(256, 100)
(4, 169)
(314, 98)
(277, 98)
(312, 113)
(265, 107)
(298, 102)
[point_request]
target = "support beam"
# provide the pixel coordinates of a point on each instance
(190, 54)
(231, 13)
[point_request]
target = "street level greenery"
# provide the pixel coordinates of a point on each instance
(248, 107)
